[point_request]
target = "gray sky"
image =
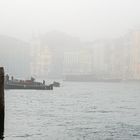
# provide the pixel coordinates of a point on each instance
(86, 19)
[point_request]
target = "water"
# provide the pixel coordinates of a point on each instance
(75, 111)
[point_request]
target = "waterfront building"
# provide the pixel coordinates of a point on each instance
(77, 62)
(40, 59)
(111, 58)
(136, 54)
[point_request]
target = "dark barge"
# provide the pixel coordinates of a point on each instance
(26, 84)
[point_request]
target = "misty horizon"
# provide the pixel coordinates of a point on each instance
(79, 36)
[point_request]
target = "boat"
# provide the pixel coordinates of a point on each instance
(26, 84)
(56, 84)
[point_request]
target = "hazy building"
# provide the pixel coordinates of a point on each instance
(100, 59)
(15, 56)
(136, 54)
(56, 54)
(40, 59)
(77, 62)
(109, 58)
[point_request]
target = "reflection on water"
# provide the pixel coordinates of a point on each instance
(75, 111)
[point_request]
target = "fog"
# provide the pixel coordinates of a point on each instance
(71, 69)
(86, 19)
(93, 39)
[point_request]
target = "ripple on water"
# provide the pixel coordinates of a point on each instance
(78, 111)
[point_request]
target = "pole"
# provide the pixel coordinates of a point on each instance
(2, 113)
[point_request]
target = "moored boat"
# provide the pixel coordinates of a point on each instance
(26, 84)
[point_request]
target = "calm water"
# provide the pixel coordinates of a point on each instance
(75, 111)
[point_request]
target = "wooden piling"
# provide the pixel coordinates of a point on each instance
(2, 113)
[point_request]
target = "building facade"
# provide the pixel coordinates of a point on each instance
(40, 59)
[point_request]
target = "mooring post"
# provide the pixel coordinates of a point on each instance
(2, 113)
